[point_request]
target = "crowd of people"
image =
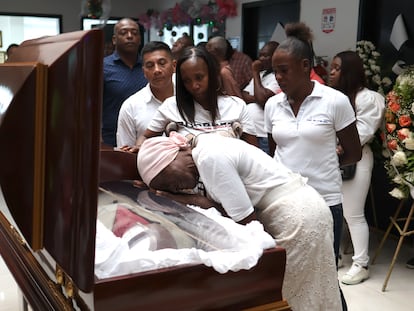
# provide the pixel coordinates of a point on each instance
(265, 137)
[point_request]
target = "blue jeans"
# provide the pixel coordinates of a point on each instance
(337, 214)
(263, 144)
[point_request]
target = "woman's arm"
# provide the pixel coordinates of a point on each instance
(249, 138)
(193, 199)
(350, 143)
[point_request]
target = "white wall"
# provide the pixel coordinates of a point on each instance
(342, 38)
(71, 9)
(344, 35)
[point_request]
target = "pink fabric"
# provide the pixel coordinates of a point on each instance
(157, 153)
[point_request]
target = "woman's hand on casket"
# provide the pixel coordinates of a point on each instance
(132, 149)
(192, 199)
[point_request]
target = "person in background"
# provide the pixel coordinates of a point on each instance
(178, 46)
(10, 49)
(138, 110)
(200, 105)
(347, 75)
(241, 64)
(217, 46)
(123, 75)
(262, 86)
(305, 122)
(247, 184)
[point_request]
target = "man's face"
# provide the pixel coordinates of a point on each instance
(158, 67)
(179, 45)
(127, 37)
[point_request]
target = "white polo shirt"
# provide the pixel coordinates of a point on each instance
(236, 174)
(256, 111)
(307, 143)
(134, 116)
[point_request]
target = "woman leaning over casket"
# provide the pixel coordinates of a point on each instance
(248, 184)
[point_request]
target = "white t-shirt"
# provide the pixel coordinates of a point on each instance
(235, 173)
(256, 112)
(230, 109)
(307, 143)
(134, 116)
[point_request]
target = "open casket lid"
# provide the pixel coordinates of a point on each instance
(50, 133)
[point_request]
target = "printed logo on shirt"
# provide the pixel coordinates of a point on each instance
(206, 126)
(316, 120)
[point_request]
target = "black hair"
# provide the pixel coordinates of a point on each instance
(352, 78)
(230, 50)
(185, 101)
(155, 46)
(13, 45)
(299, 41)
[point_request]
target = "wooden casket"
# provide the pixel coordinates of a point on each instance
(52, 167)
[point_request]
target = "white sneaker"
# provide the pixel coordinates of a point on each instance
(356, 274)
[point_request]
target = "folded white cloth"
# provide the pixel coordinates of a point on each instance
(113, 256)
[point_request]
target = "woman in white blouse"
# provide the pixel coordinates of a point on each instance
(347, 75)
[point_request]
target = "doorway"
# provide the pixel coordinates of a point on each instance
(259, 20)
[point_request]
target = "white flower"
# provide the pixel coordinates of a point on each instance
(376, 54)
(405, 81)
(398, 180)
(386, 81)
(399, 159)
(397, 193)
(376, 79)
(370, 58)
(409, 143)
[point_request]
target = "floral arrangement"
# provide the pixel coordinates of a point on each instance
(399, 135)
(371, 58)
(190, 11)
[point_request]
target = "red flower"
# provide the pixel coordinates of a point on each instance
(403, 133)
(394, 106)
(392, 144)
(227, 8)
(404, 121)
(390, 127)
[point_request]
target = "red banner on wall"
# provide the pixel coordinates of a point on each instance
(328, 20)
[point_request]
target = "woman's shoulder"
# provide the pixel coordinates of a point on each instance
(369, 96)
(230, 99)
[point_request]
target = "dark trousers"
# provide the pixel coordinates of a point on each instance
(337, 214)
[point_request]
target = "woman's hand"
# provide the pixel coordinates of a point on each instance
(132, 149)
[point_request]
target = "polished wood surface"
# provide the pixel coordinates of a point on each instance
(23, 141)
(195, 287)
(39, 291)
(117, 165)
(72, 134)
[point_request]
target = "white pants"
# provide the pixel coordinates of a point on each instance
(354, 195)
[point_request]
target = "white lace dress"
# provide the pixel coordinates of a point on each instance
(301, 222)
(243, 178)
